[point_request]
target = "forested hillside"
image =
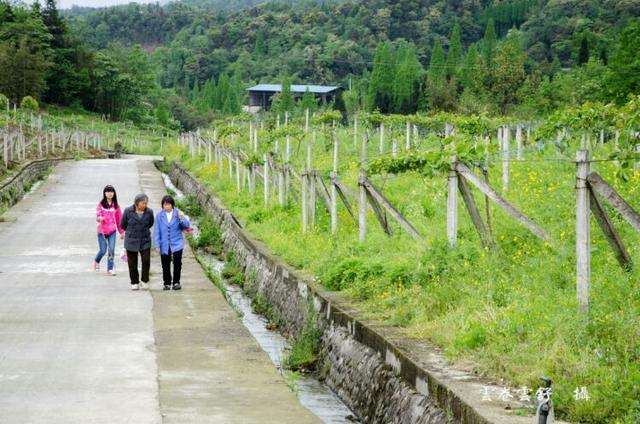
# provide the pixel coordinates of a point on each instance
(167, 61)
(335, 42)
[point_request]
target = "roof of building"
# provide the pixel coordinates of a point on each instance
(276, 88)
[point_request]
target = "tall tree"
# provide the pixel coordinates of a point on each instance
(208, 93)
(454, 55)
(195, 93)
(437, 70)
(381, 86)
(24, 52)
(283, 101)
(233, 103)
(222, 90)
(624, 64)
(489, 43)
(583, 55)
(468, 71)
(260, 48)
(440, 93)
(509, 72)
(407, 81)
(308, 102)
(54, 23)
(22, 70)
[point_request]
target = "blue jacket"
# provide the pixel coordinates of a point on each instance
(168, 235)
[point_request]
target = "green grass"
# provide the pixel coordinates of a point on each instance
(510, 313)
(232, 272)
(304, 351)
(190, 206)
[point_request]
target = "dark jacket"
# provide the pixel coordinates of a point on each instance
(137, 234)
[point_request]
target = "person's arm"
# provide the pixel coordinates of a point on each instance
(152, 219)
(156, 236)
(184, 221)
(99, 215)
(118, 220)
(125, 220)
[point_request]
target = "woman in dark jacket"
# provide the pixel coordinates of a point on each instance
(137, 221)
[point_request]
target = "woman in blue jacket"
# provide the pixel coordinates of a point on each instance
(169, 241)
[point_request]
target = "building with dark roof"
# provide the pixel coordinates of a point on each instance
(260, 96)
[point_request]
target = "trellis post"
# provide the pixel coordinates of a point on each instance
(452, 205)
(334, 194)
(583, 236)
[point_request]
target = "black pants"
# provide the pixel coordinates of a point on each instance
(132, 261)
(166, 267)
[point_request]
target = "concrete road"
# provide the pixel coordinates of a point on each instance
(78, 346)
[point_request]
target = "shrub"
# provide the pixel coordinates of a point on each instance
(29, 103)
(341, 274)
(4, 102)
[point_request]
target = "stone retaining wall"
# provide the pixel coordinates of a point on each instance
(375, 377)
(13, 188)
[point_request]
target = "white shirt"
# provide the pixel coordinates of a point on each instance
(169, 215)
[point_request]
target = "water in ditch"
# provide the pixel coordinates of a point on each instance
(312, 393)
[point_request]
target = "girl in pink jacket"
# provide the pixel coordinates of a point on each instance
(108, 215)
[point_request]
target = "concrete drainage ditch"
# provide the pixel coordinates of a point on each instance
(311, 391)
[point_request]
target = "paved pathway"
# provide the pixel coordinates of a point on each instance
(80, 347)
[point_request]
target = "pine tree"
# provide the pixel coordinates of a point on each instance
(222, 91)
(489, 43)
(556, 66)
(195, 93)
(186, 88)
(437, 70)
(260, 48)
(308, 102)
(604, 57)
(54, 23)
(583, 55)
(454, 55)
(469, 77)
(6, 13)
(382, 75)
(237, 88)
(208, 91)
(285, 102)
(232, 100)
(440, 95)
(407, 81)
(216, 100)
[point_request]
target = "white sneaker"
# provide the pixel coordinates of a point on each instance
(144, 286)
(111, 273)
(135, 287)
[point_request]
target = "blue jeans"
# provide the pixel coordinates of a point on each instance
(107, 242)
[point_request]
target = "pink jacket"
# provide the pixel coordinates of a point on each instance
(111, 219)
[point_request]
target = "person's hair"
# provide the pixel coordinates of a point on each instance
(104, 203)
(168, 199)
(140, 198)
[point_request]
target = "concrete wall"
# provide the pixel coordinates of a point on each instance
(376, 378)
